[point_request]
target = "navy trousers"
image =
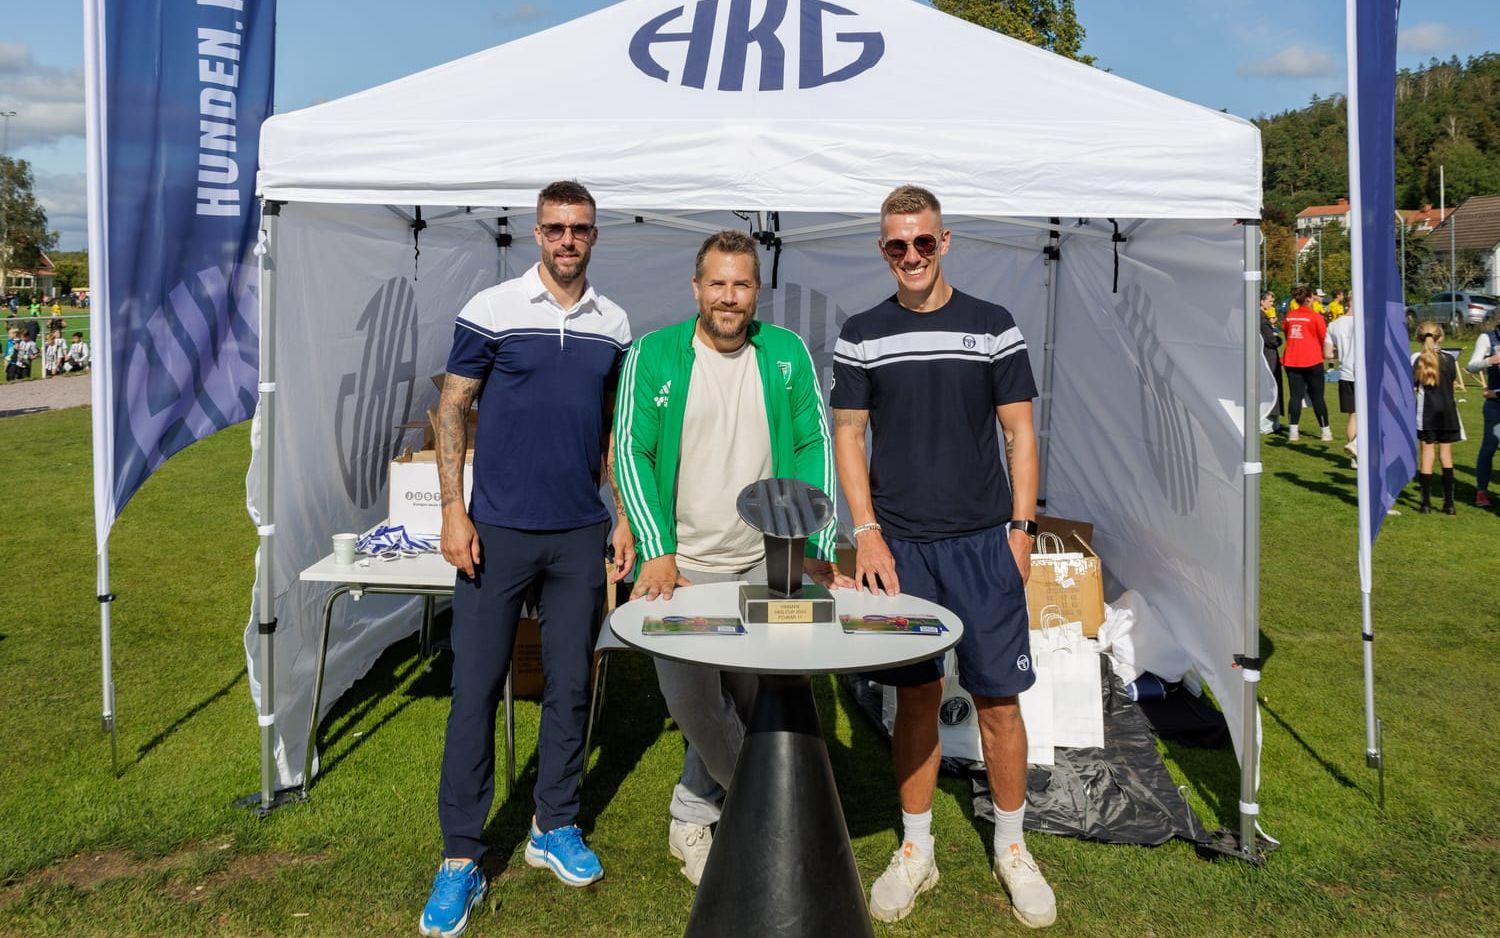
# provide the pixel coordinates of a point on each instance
(567, 567)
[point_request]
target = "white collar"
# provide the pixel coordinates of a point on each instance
(537, 290)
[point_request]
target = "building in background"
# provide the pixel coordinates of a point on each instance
(40, 281)
(1312, 219)
(1473, 227)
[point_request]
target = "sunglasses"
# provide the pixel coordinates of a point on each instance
(896, 248)
(554, 231)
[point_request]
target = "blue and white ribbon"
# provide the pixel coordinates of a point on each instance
(394, 537)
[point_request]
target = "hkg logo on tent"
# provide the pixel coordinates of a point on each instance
(766, 35)
(376, 397)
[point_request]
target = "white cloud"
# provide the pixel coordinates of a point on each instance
(48, 101)
(64, 196)
(520, 13)
(1295, 61)
(1429, 39)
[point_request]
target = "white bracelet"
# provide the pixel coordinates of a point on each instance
(862, 528)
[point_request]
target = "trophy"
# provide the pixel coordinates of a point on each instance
(787, 512)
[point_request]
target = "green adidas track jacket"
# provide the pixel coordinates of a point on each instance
(649, 408)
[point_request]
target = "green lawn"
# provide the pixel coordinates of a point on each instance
(160, 850)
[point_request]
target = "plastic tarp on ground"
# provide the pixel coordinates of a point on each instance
(1146, 419)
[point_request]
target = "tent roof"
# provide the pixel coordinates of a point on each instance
(642, 102)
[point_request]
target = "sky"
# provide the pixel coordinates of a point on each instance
(1250, 57)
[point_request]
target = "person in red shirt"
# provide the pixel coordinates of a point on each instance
(1303, 362)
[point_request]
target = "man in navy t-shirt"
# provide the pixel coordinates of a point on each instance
(929, 372)
(542, 354)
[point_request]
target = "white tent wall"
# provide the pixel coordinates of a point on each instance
(360, 325)
(1147, 435)
(1147, 389)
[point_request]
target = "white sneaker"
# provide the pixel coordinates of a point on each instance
(1292, 434)
(1327, 435)
(690, 843)
(1031, 899)
(910, 873)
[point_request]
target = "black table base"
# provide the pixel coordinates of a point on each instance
(781, 862)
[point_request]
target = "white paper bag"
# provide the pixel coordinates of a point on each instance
(1070, 662)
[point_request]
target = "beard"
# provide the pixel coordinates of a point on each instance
(707, 317)
(565, 276)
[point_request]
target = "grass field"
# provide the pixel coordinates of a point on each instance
(160, 850)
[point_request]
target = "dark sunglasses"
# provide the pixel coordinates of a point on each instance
(554, 231)
(896, 249)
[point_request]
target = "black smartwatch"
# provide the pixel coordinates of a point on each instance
(1029, 527)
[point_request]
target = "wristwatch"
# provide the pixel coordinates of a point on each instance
(1029, 527)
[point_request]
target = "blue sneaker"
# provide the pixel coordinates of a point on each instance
(564, 853)
(456, 891)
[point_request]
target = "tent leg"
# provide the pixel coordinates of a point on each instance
(268, 798)
(1053, 252)
(1249, 661)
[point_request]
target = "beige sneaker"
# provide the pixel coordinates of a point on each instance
(910, 873)
(690, 844)
(1326, 435)
(1293, 434)
(1031, 899)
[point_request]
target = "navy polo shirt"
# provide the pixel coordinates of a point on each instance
(931, 382)
(548, 375)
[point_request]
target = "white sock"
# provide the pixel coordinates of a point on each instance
(917, 829)
(1009, 829)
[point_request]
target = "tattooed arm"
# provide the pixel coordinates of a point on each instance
(460, 542)
(1022, 465)
(622, 540)
(874, 567)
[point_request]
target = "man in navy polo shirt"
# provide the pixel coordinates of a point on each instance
(542, 353)
(930, 371)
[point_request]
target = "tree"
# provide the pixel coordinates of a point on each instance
(72, 268)
(1051, 24)
(23, 222)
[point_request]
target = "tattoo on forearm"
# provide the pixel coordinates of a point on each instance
(609, 470)
(453, 435)
(1010, 460)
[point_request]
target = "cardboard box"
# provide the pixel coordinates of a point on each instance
(414, 497)
(1072, 581)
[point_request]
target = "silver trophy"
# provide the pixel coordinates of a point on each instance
(786, 512)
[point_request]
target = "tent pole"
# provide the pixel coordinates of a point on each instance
(106, 655)
(1053, 261)
(270, 214)
(1249, 660)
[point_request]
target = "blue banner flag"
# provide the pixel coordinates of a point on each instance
(1388, 430)
(177, 91)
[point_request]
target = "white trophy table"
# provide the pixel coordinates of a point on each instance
(781, 862)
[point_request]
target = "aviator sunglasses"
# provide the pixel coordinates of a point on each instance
(895, 248)
(554, 231)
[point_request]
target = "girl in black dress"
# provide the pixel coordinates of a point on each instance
(1434, 374)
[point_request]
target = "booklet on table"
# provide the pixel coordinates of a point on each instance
(693, 625)
(892, 625)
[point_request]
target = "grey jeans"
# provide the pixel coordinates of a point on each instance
(711, 707)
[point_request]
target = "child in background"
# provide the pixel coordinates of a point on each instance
(1303, 362)
(1438, 427)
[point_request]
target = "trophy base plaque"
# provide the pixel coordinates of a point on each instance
(761, 604)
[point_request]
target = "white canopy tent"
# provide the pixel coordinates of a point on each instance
(1119, 225)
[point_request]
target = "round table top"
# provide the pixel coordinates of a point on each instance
(819, 648)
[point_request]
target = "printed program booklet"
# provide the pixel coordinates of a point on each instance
(892, 625)
(693, 625)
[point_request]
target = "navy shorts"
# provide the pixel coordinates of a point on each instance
(975, 577)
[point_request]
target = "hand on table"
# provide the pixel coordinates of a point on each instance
(826, 574)
(874, 567)
(658, 577)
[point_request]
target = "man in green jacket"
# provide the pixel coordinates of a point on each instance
(705, 408)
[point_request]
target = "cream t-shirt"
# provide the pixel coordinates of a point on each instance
(726, 445)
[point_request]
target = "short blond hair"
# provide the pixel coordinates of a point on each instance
(909, 200)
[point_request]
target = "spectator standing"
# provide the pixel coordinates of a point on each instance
(1336, 306)
(1486, 360)
(1317, 305)
(57, 323)
(1438, 427)
(1270, 335)
(1303, 362)
(53, 355)
(1339, 345)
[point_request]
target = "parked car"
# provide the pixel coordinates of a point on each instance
(1454, 309)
